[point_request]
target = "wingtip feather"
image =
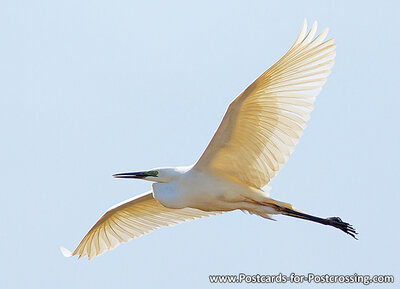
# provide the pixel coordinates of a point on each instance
(67, 253)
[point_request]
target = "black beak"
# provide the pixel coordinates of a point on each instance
(136, 175)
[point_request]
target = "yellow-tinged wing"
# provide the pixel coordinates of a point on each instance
(263, 124)
(131, 219)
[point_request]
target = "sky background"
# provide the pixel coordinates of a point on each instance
(91, 88)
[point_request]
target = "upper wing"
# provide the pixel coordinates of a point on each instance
(131, 219)
(263, 124)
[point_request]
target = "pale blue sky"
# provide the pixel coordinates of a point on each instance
(91, 88)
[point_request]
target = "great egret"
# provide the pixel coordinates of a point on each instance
(255, 138)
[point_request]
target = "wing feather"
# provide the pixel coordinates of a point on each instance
(264, 123)
(131, 219)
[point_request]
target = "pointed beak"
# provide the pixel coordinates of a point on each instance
(136, 175)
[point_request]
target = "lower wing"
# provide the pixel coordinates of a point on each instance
(131, 219)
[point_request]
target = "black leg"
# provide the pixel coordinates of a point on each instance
(332, 221)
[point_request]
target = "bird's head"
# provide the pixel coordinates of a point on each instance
(159, 175)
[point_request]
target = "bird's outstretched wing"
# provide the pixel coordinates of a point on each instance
(263, 124)
(131, 219)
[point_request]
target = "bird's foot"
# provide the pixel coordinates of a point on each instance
(345, 227)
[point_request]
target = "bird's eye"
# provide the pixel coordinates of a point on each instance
(152, 173)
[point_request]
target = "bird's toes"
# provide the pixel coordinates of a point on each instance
(345, 227)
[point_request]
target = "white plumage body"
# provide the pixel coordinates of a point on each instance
(209, 192)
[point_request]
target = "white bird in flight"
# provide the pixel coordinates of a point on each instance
(255, 138)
